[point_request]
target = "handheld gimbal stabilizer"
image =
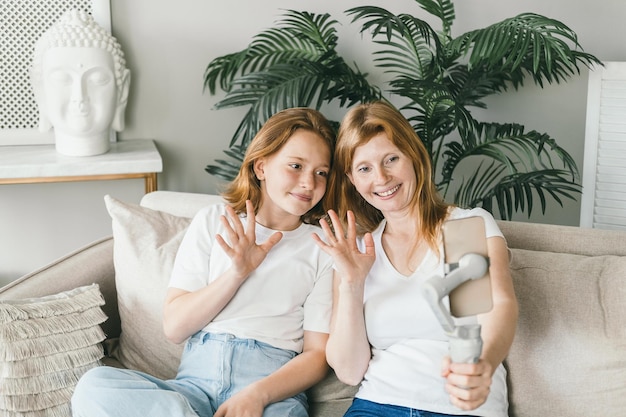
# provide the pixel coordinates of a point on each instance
(465, 340)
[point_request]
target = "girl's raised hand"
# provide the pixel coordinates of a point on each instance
(352, 264)
(246, 255)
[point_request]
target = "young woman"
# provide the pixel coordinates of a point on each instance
(250, 292)
(383, 333)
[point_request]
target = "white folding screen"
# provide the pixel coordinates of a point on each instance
(603, 203)
(21, 23)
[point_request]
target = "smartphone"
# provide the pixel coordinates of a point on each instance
(461, 236)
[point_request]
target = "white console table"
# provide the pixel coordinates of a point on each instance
(127, 159)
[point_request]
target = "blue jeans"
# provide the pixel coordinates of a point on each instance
(213, 367)
(365, 408)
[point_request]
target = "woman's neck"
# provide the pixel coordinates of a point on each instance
(401, 225)
(403, 244)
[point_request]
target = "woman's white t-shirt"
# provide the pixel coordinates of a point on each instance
(291, 291)
(408, 343)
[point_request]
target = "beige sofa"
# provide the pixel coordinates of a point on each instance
(568, 358)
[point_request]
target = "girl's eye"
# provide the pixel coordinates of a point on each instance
(322, 174)
(295, 166)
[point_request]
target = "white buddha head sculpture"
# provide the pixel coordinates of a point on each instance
(80, 81)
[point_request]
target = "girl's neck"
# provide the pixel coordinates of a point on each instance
(279, 223)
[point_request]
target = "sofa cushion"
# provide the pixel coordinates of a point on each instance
(330, 397)
(46, 344)
(568, 356)
(144, 248)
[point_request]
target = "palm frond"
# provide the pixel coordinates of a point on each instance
(223, 169)
(411, 43)
(430, 110)
(317, 29)
(530, 150)
(236, 152)
(543, 47)
(443, 9)
(507, 145)
(483, 180)
(349, 86)
(276, 88)
(471, 86)
(517, 192)
(297, 84)
(298, 36)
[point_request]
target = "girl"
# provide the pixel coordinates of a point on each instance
(250, 292)
(383, 333)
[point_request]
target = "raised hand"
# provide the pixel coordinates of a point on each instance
(246, 255)
(352, 264)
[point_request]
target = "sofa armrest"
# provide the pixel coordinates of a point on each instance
(91, 264)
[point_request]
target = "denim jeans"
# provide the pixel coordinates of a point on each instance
(365, 408)
(213, 368)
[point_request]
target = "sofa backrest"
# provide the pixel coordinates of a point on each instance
(564, 239)
(569, 353)
(178, 203)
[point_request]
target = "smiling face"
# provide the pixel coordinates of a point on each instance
(383, 175)
(293, 180)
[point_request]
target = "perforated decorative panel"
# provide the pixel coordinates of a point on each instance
(22, 22)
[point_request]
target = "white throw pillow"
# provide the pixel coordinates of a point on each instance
(145, 245)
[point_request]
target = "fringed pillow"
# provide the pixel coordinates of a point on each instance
(46, 345)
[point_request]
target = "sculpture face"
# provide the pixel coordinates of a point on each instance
(80, 81)
(79, 91)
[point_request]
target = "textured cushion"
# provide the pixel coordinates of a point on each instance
(144, 248)
(331, 397)
(569, 353)
(46, 344)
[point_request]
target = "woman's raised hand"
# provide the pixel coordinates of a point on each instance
(352, 264)
(246, 255)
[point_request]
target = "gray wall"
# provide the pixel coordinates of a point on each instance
(168, 45)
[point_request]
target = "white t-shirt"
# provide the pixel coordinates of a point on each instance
(408, 343)
(291, 291)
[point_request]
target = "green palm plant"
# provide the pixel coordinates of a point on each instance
(438, 77)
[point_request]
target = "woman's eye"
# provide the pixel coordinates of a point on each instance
(295, 166)
(363, 169)
(392, 159)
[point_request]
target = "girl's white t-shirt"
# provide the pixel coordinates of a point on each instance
(291, 291)
(408, 343)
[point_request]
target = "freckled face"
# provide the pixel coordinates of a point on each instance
(383, 175)
(293, 180)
